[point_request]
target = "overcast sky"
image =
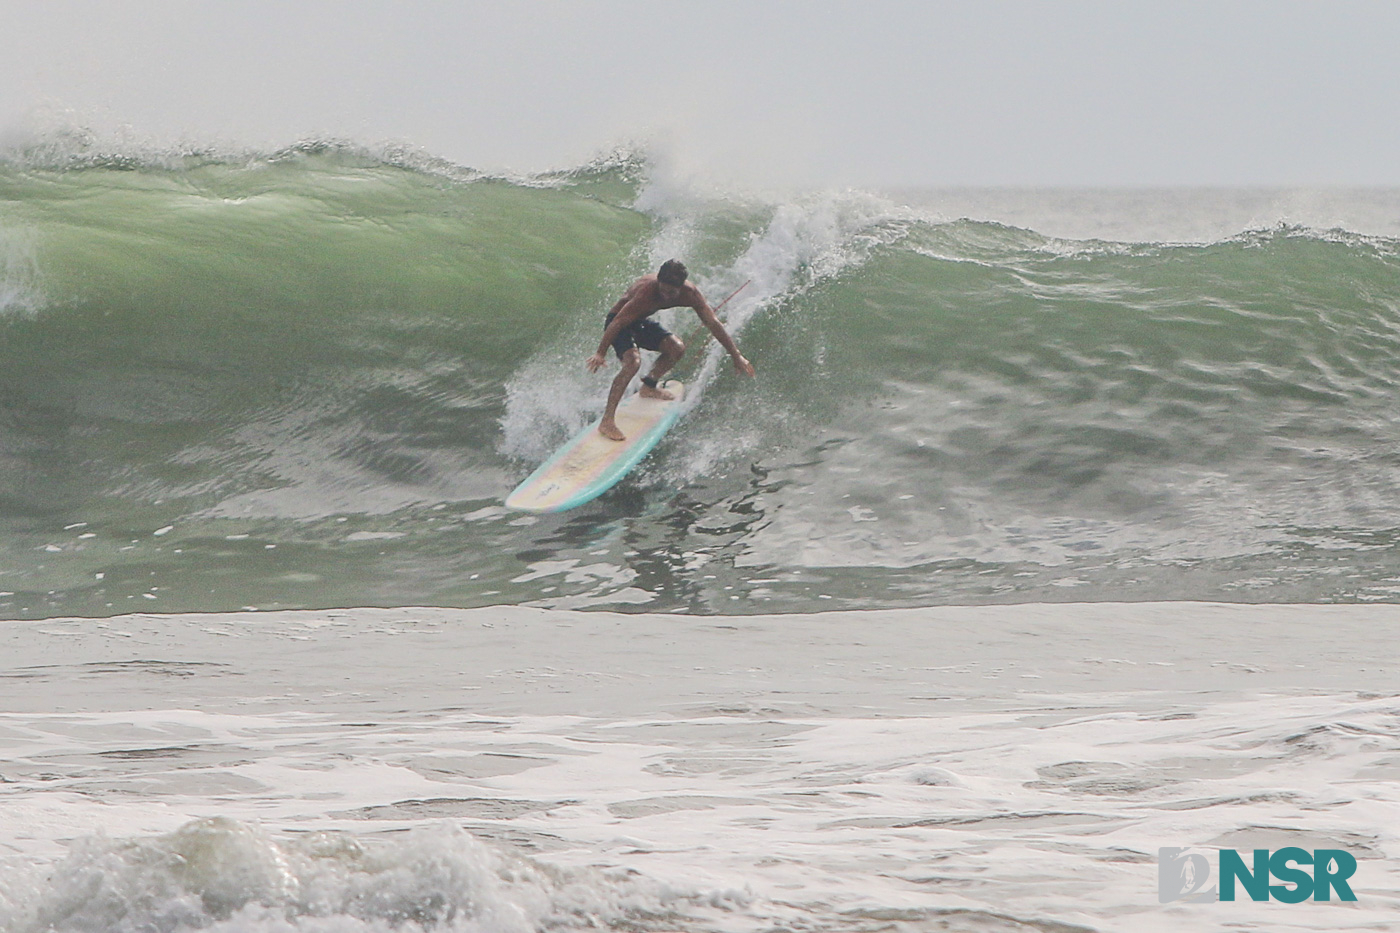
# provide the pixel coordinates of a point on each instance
(999, 92)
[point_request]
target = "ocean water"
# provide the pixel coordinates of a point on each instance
(1057, 527)
(307, 379)
(1012, 769)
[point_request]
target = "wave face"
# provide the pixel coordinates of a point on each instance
(308, 379)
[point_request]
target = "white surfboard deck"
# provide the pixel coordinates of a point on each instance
(589, 464)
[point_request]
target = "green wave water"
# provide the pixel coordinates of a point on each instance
(308, 379)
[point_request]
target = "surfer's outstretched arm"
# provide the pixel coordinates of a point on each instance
(714, 326)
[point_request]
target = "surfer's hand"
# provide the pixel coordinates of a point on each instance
(595, 362)
(743, 365)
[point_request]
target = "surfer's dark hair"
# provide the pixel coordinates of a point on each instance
(673, 272)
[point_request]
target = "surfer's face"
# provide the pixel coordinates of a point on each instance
(668, 292)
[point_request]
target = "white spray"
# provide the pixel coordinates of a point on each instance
(805, 241)
(19, 273)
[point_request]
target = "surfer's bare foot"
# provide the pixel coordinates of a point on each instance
(610, 430)
(649, 392)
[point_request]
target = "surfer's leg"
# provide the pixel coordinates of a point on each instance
(631, 362)
(671, 350)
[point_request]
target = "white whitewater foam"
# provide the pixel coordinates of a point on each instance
(997, 768)
(223, 875)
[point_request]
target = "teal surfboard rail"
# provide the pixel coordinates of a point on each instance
(587, 465)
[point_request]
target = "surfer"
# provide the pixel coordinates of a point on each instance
(629, 326)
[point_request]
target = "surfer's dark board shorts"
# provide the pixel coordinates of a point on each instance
(646, 333)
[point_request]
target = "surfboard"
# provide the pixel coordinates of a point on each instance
(589, 464)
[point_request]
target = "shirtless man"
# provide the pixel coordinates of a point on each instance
(629, 326)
